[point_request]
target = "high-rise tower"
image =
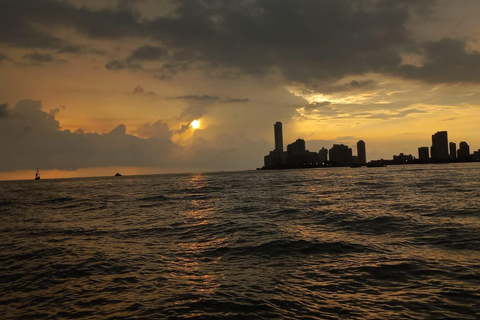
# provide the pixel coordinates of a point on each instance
(453, 150)
(361, 152)
(278, 137)
(463, 151)
(439, 150)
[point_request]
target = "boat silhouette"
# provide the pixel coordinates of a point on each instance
(37, 175)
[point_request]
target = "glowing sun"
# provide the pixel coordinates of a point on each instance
(195, 124)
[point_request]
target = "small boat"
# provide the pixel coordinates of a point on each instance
(356, 165)
(118, 174)
(37, 175)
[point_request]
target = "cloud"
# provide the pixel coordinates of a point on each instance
(183, 128)
(207, 97)
(352, 85)
(33, 137)
(158, 129)
(24, 23)
(305, 41)
(204, 97)
(322, 109)
(337, 38)
(115, 65)
(198, 105)
(445, 61)
(236, 100)
(400, 114)
(147, 53)
(3, 57)
(141, 90)
(40, 58)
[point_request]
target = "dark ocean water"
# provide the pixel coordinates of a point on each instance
(401, 242)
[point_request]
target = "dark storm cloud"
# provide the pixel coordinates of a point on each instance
(147, 53)
(41, 57)
(352, 85)
(115, 65)
(306, 41)
(23, 23)
(446, 60)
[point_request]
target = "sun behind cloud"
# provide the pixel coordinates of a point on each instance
(195, 124)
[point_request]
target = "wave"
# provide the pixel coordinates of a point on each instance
(277, 248)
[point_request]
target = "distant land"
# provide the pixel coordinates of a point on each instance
(341, 155)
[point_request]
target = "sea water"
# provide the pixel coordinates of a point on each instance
(401, 242)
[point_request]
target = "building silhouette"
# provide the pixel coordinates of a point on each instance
(278, 137)
(403, 158)
(323, 155)
(463, 151)
(453, 150)
(296, 152)
(361, 153)
(439, 149)
(340, 155)
(297, 156)
(476, 155)
(277, 158)
(423, 154)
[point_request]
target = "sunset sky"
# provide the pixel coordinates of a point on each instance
(91, 88)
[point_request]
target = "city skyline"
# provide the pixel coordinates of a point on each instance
(340, 155)
(157, 86)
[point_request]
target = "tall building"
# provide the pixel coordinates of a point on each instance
(296, 148)
(340, 154)
(278, 137)
(323, 153)
(463, 151)
(298, 156)
(276, 158)
(453, 150)
(361, 152)
(423, 154)
(439, 149)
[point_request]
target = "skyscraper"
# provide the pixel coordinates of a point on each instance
(278, 137)
(439, 150)
(463, 151)
(453, 150)
(323, 153)
(361, 152)
(340, 154)
(423, 154)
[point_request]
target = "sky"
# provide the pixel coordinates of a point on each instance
(91, 88)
